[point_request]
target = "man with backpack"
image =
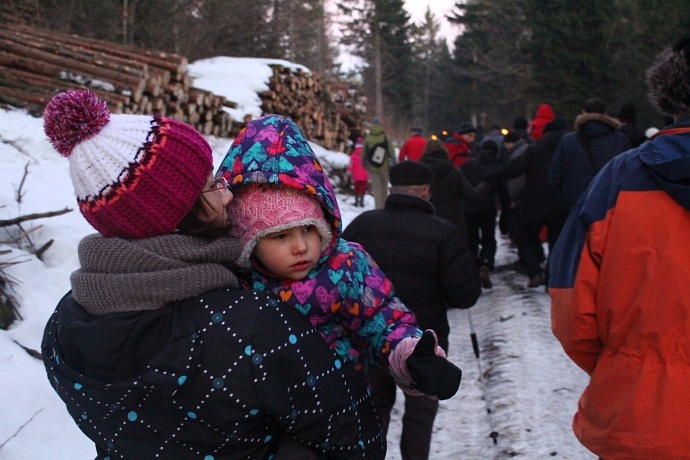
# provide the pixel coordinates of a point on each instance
(378, 154)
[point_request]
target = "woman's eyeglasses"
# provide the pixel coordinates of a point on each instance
(220, 184)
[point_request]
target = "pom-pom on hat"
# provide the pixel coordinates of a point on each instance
(410, 173)
(259, 210)
(134, 176)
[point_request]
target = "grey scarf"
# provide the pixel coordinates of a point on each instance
(119, 275)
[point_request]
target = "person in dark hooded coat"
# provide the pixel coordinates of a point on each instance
(537, 205)
(581, 154)
(449, 185)
(480, 212)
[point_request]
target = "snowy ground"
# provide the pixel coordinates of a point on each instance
(528, 384)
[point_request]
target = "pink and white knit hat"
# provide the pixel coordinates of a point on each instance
(135, 176)
(258, 210)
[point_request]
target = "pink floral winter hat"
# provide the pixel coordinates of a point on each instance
(261, 209)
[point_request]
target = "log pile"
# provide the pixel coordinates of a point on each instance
(321, 112)
(36, 64)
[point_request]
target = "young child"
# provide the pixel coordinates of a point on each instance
(360, 176)
(286, 215)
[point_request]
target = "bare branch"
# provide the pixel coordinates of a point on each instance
(20, 195)
(40, 215)
(15, 143)
(21, 428)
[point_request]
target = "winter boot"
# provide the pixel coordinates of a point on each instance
(536, 281)
(484, 277)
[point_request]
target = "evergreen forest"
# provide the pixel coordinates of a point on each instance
(508, 57)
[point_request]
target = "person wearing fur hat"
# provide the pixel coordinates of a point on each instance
(428, 261)
(156, 349)
(581, 154)
(618, 285)
(286, 215)
(360, 176)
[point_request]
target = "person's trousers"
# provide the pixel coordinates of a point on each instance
(360, 187)
(418, 419)
(484, 224)
(529, 242)
(379, 187)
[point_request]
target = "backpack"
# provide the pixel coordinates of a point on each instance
(376, 154)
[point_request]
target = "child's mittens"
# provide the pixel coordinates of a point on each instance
(420, 367)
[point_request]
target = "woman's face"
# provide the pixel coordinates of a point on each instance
(217, 196)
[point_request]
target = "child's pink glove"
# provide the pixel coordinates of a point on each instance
(419, 366)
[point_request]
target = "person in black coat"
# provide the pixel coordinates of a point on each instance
(480, 212)
(449, 185)
(156, 351)
(627, 115)
(538, 204)
(432, 270)
(581, 154)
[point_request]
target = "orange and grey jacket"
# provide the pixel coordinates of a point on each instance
(620, 291)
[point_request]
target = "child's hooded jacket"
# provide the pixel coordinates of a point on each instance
(346, 296)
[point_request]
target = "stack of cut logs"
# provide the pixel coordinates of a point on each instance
(36, 64)
(313, 105)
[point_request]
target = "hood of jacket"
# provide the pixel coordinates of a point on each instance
(272, 150)
(376, 130)
(544, 112)
(439, 163)
(667, 157)
(596, 124)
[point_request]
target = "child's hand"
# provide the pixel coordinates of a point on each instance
(432, 374)
(419, 366)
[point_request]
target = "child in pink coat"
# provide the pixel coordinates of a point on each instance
(360, 176)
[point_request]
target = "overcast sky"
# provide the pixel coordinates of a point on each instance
(416, 8)
(440, 8)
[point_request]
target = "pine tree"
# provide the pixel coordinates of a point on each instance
(377, 31)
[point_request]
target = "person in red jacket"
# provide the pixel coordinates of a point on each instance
(459, 145)
(413, 147)
(620, 297)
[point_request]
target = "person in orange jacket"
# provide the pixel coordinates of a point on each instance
(620, 297)
(413, 148)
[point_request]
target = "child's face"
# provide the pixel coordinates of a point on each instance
(290, 253)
